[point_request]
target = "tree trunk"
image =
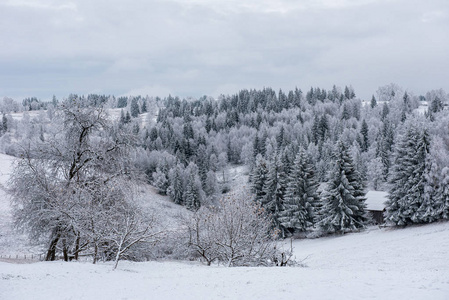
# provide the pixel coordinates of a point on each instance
(95, 253)
(229, 262)
(51, 253)
(117, 258)
(77, 246)
(65, 250)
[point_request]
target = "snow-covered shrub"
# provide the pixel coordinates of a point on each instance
(237, 232)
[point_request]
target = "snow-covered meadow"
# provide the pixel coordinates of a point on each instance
(406, 263)
(378, 263)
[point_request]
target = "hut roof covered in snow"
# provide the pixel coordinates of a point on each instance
(375, 200)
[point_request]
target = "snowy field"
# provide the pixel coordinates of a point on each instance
(385, 263)
(410, 263)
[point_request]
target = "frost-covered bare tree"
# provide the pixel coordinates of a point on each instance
(128, 228)
(237, 232)
(67, 190)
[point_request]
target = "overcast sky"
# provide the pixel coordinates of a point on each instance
(210, 47)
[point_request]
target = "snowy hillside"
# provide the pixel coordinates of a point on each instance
(5, 168)
(11, 243)
(406, 263)
(385, 263)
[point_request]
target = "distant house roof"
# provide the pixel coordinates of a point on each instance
(375, 200)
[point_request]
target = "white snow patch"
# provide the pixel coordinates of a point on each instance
(406, 263)
(18, 116)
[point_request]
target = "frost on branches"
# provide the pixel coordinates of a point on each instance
(344, 198)
(301, 196)
(73, 191)
(237, 232)
(418, 183)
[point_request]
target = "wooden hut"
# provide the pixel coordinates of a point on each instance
(375, 205)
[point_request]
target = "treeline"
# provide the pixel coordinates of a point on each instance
(186, 151)
(263, 125)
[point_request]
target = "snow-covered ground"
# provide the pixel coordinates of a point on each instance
(406, 263)
(410, 263)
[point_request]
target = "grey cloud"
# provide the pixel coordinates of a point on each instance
(201, 47)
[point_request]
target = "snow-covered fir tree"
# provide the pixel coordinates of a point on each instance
(193, 195)
(343, 200)
(301, 196)
(259, 178)
(430, 208)
(274, 190)
(364, 142)
(436, 201)
(135, 110)
(443, 193)
(176, 187)
(407, 180)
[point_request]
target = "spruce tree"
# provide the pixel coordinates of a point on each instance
(274, 189)
(373, 102)
(315, 130)
(436, 105)
(385, 111)
(344, 197)
(122, 117)
(280, 138)
(323, 128)
(432, 204)
(193, 195)
(407, 179)
(383, 150)
(263, 144)
(365, 139)
(4, 123)
(347, 93)
(301, 196)
(135, 110)
(346, 113)
(259, 178)
(443, 193)
(122, 102)
(127, 118)
(144, 106)
(256, 149)
(427, 188)
(176, 187)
